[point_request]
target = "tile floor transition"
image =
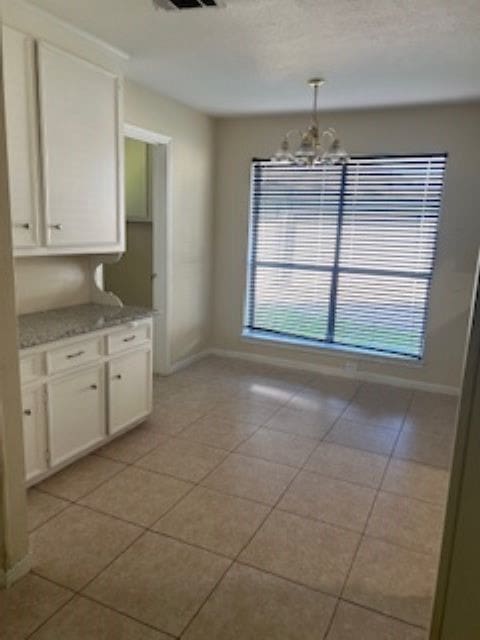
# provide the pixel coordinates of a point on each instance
(255, 503)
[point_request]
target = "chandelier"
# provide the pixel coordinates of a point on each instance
(316, 147)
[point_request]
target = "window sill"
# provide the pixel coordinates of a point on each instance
(331, 349)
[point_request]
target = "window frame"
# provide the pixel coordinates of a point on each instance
(249, 332)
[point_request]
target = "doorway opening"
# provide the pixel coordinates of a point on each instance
(141, 276)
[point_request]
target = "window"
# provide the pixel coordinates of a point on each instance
(344, 255)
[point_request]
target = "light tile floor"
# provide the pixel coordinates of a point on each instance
(255, 503)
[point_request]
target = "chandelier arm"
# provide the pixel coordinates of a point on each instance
(331, 133)
(288, 135)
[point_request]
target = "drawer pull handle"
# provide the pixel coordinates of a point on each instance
(93, 387)
(129, 339)
(75, 355)
(57, 227)
(22, 225)
(118, 376)
(28, 412)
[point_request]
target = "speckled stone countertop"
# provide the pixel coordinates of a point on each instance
(47, 326)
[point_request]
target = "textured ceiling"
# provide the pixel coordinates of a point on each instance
(254, 56)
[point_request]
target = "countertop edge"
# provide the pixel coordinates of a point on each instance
(29, 340)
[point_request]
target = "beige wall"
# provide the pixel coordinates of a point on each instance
(192, 211)
(50, 282)
(454, 129)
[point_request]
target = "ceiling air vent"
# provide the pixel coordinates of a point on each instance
(175, 5)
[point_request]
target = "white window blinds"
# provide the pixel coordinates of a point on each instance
(344, 255)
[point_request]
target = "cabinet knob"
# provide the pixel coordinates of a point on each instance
(93, 387)
(117, 377)
(27, 412)
(129, 339)
(22, 225)
(57, 227)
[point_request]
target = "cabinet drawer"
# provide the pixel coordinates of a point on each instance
(74, 354)
(31, 368)
(128, 337)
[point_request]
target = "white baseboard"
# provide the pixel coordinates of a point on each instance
(363, 376)
(7, 578)
(186, 362)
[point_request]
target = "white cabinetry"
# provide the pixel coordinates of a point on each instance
(22, 137)
(79, 123)
(77, 394)
(129, 396)
(76, 407)
(34, 432)
(74, 108)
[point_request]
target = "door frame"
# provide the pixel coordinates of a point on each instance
(161, 210)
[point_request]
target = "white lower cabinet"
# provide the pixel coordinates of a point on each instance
(129, 390)
(34, 432)
(80, 392)
(76, 413)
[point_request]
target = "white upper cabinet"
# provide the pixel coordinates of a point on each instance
(64, 150)
(79, 123)
(22, 137)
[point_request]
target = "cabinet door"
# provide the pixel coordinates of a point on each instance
(79, 121)
(22, 137)
(130, 389)
(34, 433)
(76, 406)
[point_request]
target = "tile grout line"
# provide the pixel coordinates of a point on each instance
(60, 608)
(127, 615)
(220, 580)
(367, 486)
(337, 599)
(149, 527)
(75, 500)
(367, 521)
(381, 613)
(244, 546)
(198, 484)
(80, 591)
(78, 594)
(244, 563)
(145, 530)
(261, 524)
(272, 508)
(134, 464)
(57, 513)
